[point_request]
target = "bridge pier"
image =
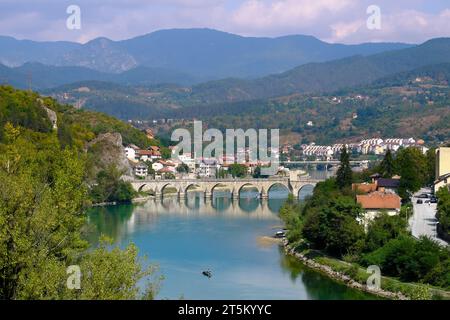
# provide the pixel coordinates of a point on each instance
(208, 195)
(264, 195)
(235, 194)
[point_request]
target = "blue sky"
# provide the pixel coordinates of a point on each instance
(343, 21)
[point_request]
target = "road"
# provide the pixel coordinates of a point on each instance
(423, 222)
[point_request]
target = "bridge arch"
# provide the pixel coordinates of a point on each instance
(224, 186)
(141, 188)
(191, 186)
(305, 191)
(145, 187)
(282, 194)
(250, 185)
(166, 186)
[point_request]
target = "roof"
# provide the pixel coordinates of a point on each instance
(145, 152)
(167, 163)
(132, 146)
(388, 183)
(148, 153)
(364, 187)
(379, 200)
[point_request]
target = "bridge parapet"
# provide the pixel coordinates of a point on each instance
(234, 185)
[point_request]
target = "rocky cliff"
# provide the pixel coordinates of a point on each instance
(107, 150)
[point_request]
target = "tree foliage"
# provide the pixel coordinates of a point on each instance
(387, 166)
(443, 210)
(43, 198)
(344, 173)
(111, 188)
(238, 170)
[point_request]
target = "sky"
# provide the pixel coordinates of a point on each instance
(343, 21)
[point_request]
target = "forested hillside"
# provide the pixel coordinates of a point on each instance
(159, 101)
(43, 199)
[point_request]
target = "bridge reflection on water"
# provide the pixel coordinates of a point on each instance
(117, 221)
(222, 202)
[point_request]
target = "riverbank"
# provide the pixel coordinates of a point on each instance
(356, 277)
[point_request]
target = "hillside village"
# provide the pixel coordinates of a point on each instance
(374, 146)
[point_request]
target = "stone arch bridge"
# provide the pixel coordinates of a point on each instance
(234, 185)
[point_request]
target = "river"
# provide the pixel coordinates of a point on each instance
(221, 235)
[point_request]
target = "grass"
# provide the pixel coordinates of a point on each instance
(414, 291)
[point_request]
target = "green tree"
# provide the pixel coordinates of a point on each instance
(110, 187)
(344, 173)
(257, 173)
(383, 229)
(42, 196)
(387, 166)
(413, 169)
(333, 226)
(183, 168)
(443, 210)
(238, 170)
(431, 166)
(422, 260)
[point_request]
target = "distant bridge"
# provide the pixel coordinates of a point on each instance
(234, 185)
(360, 163)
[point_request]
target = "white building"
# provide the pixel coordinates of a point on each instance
(318, 151)
(157, 166)
(207, 168)
(141, 170)
(190, 162)
(131, 152)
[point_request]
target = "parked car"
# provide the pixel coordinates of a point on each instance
(280, 235)
(423, 196)
(433, 200)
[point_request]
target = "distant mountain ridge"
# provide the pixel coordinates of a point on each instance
(203, 53)
(214, 97)
(325, 77)
(39, 76)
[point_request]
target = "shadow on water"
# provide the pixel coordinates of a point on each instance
(108, 221)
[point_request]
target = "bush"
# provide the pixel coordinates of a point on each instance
(411, 260)
(383, 229)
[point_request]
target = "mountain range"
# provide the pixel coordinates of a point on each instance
(283, 82)
(203, 54)
(135, 102)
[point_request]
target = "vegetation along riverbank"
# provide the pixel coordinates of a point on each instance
(50, 173)
(327, 233)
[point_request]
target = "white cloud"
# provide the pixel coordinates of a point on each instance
(406, 26)
(274, 16)
(332, 20)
